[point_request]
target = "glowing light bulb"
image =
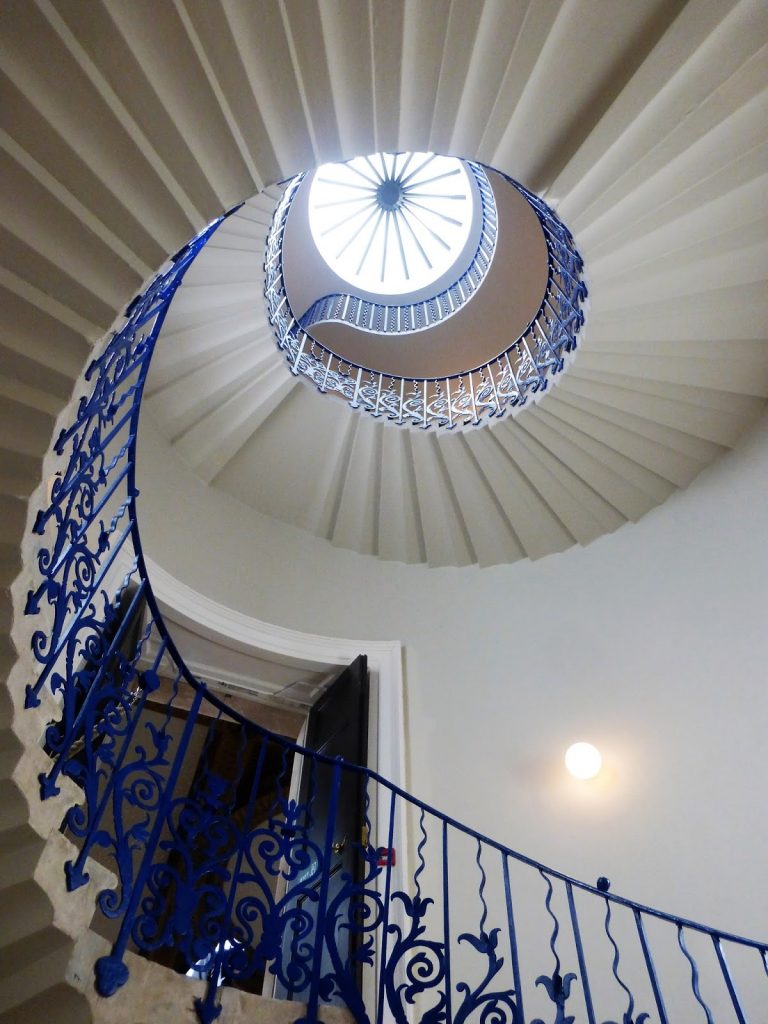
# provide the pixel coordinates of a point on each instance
(583, 760)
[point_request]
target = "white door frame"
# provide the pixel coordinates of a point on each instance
(240, 632)
(316, 653)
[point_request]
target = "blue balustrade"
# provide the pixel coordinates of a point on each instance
(224, 873)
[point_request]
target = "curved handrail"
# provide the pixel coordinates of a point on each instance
(406, 317)
(508, 851)
(197, 851)
(524, 367)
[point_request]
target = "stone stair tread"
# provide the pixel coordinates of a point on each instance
(25, 910)
(71, 1007)
(10, 751)
(28, 965)
(21, 849)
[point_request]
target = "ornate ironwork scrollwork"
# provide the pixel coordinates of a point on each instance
(228, 881)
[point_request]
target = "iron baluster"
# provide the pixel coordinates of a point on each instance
(111, 972)
(556, 314)
(513, 936)
(356, 396)
(327, 371)
(554, 359)
(541, 381)
(280, 304)
(299, 351)
(75, 870)
(565, 297)
(447, 926)
(170, 915)
(694, 975)
(414, 964)
(285, 850)
(206, 1008)
(383, 966)
(580, 953)
(497, 403)
(628, 1017)
(557, 987)
(657, 995)
(314, 981)
(500, 1005)
(64, 487)
(728, 978)
(513, 375)
(50, 658)
(472, 395)
(80, 533)
(48, 786)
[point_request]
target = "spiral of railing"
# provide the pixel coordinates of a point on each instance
(523, 368)
(226, 878)
(404, 318)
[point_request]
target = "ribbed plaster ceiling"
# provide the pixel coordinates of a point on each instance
(642, 124)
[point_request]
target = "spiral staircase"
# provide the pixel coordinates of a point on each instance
(123, 135)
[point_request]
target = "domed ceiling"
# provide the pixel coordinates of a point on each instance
(652, 151)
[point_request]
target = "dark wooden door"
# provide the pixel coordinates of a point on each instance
(337, 727)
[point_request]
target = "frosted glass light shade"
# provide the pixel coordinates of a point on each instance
(583, 760)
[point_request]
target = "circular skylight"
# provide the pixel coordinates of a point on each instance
(391, 223)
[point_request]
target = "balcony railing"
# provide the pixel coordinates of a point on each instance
(404, 318)
(523, 368)
(235, 879)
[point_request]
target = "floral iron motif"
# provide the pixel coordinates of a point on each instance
(211, 870)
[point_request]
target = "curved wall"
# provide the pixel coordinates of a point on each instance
(649, 642)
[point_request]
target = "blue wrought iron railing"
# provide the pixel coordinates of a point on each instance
(523, 368)
(222, 872)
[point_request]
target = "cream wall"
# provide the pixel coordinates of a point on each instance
(650, 643)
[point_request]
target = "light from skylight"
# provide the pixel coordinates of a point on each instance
(391, 223)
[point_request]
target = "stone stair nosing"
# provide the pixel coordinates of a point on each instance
(71, 1006)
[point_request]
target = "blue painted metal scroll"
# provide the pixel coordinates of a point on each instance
(217, 870)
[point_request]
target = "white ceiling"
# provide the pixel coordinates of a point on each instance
(642, 123)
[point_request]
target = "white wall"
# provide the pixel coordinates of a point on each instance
(650, 643)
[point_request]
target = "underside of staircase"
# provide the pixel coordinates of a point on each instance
(650, 399)
(123, 133)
